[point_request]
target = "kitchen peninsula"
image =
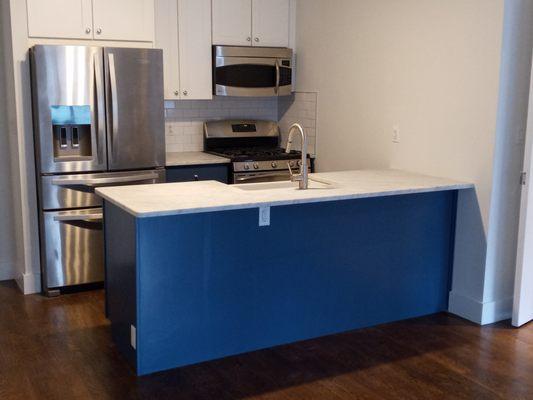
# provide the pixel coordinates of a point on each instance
(192, 276)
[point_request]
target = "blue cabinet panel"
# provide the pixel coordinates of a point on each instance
(198, 173)
(215, 284)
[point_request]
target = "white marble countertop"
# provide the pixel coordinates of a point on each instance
(207, 196)
(193, 158)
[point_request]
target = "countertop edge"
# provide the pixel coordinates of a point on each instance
(194, 158)
(279, 203)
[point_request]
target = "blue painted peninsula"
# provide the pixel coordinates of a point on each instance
(191, 275)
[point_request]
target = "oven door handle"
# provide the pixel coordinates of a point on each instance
(267, 175)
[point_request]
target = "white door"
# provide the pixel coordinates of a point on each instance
(129, 20)
(270, 23)
(166, 38)
(194, 25)
(523, 294)
(232, 22)
(64, 19)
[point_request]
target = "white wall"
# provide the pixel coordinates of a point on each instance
(8, 249)
(430, 67)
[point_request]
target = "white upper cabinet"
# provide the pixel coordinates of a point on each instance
(183, 31)
(251, 22)
(131, 20)
(68, 19)
(124, 20)
(270, 23)
(232, 22)
(194, 25)
(166, 38)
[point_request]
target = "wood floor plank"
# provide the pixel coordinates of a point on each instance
(61, 348)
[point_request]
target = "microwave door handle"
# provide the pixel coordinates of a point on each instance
(114, 102)
(276, 89)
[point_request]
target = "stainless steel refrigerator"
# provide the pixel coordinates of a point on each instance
(98, 121)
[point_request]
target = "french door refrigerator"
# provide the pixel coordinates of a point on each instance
(98, 121)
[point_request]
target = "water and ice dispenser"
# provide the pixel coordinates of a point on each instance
(71, 129)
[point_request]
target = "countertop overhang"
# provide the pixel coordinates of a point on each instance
(188, 158)
(209, 196)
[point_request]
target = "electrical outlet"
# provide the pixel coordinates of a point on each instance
(264, 216)
(395, 134)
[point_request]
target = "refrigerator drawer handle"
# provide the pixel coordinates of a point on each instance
(105, 181)
(93, 217)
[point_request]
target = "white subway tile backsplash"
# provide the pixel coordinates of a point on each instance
(184, 118)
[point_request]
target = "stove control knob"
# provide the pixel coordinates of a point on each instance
(300, 163)
(256, 166)
(246, 167)
(274, 165)
(291, 164)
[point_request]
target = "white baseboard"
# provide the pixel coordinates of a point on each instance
(29, 283)
(481, 313)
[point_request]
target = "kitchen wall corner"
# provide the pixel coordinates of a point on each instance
(301, 107)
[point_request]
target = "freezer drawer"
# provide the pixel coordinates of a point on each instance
(73, 247)
(77, 190)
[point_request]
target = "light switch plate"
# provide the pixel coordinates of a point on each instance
(395, 134)
(264, 216)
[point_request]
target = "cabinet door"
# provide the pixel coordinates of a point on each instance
(270, 22)
(232, 22)
(166, 38)
(194, 25)
(64, 19)
(130, 20)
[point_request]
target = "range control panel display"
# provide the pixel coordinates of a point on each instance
(239, 128)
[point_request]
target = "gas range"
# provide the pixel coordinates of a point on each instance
(253, 148)
(259, 158)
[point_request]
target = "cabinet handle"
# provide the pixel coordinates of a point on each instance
(196, 177)
(248, 39)
(185, 93)
(99, 31)
(88, 30)
(256, 39)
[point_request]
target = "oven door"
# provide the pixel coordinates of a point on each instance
(260, 177)
(255, 77)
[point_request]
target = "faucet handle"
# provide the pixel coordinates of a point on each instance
(294, 177)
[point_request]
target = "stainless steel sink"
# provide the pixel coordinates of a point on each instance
(313, 184)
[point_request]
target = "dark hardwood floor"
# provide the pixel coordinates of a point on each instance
(60, 348)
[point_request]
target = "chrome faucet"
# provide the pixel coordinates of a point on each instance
(302, 178)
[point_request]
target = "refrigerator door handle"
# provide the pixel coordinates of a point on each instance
(105, 181)
(98, 107)
(113, 116)
(92, 217)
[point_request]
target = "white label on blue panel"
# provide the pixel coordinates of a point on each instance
(264, 216)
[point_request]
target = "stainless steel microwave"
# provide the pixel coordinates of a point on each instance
(252, 71)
